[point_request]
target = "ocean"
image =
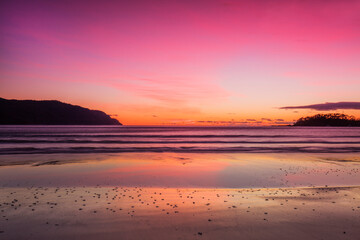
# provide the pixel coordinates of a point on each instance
(184, 157)
(117, 139)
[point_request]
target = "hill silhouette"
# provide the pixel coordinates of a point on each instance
(331, 119)
(49, 112)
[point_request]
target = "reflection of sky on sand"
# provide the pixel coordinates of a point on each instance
(162, 213)
(181, 170)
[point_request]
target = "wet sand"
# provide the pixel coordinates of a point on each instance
(179, 213)
(174, 170)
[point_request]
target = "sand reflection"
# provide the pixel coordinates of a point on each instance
(182, 170)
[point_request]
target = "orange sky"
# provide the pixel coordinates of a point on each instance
(183, 62)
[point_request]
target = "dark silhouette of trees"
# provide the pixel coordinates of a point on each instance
(330, 119)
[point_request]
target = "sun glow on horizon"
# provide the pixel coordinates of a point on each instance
(183, 62)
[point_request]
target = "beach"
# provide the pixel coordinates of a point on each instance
(174, 213)
(184, 186)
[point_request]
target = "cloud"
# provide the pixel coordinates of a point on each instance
(172, 90)
(327, 106)
(232, 122)
(266, 119)
(284, 123)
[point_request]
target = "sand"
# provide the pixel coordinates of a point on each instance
(170, 213)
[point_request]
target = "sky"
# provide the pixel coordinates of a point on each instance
(185, 62)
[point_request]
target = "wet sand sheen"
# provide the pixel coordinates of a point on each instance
(178, 213)
(181, 170)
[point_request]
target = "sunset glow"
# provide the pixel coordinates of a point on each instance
(183, 62)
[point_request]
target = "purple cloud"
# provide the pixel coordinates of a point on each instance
(327, 106)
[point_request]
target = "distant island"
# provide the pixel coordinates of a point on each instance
(331, 119)
(50, 112)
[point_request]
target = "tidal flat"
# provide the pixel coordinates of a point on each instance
(179, 213)
(180, 196)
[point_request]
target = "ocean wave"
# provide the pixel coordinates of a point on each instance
(22, 135)
(57, 150)
(172, 142)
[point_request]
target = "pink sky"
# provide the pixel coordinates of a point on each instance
(181, 62)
